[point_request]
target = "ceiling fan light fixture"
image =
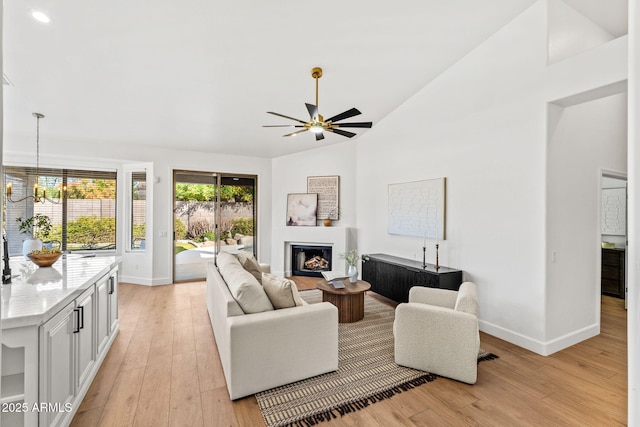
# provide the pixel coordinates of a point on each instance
(317, 124)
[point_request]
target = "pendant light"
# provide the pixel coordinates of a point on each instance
(38, 196)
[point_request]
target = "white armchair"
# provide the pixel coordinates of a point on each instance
(437, 332)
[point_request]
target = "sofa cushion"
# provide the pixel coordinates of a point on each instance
(243, 286)
(249, 263)
(283, 293)
(467, 300)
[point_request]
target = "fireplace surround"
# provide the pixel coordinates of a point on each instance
(341, 239)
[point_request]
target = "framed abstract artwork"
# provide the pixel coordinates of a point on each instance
(302, 209)
(418, 209)
(614, 209)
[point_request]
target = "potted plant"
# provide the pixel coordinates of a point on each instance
(35, 226)
(351, 258)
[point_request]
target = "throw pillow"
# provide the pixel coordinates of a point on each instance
(248, 261)
(224, 258)
(245, 289)
(282, 293)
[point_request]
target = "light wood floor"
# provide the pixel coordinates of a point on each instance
(163, 369)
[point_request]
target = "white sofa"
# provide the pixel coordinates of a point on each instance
(437, 331)
(263, 350)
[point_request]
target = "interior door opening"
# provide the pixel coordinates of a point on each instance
(613, 230)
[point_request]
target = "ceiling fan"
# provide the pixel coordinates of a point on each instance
(317, 124)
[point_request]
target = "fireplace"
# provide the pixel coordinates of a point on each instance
(340, 239)
(310, 260)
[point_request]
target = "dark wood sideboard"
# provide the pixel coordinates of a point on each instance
(393, 276)
(612, 278)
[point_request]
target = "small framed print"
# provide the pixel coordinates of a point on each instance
(302, 209)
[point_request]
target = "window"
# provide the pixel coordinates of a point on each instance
(83, 220)
(138, 210)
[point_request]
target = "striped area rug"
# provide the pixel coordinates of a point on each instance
(366, 374)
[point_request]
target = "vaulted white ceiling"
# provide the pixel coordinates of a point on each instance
(201, 75)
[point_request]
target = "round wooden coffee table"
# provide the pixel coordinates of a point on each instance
(349, 300)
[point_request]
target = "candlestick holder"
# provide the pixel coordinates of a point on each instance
(6, 271)
(437, 261)
(424, 257)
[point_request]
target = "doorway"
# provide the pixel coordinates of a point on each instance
(211, 212)
(613, 220)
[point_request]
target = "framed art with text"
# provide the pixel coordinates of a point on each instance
(328, 190)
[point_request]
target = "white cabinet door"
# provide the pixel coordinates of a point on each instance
(113, 301)
(103, 325)
(85, 337)
(57, 362)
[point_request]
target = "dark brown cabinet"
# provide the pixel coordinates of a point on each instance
(613, 272)
(393, 276)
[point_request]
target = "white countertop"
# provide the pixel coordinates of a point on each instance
(36, 294)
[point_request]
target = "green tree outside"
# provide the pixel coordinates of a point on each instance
(90, 232)
(194, 197)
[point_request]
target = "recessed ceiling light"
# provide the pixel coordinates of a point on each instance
(40, 16)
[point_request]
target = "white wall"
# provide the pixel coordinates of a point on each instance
(571, 32)
(290, 176)
(588, 138)
(155, 266)
(483, 125)
(633, 296)
(1, 147)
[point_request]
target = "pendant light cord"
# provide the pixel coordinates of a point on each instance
(37, 149)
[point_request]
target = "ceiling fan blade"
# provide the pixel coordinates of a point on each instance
(319, 136)
(345, 115)
(296, 132)
(282, 126)
(313, 111)
(287, 117)
(342, 132)
(354, 125)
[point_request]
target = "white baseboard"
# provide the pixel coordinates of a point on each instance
(573, 338)
(540, 347)
(145, 280)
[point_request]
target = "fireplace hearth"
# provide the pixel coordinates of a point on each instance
(310, 260)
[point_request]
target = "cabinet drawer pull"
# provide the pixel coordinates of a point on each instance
(77, 312)
(81, 317)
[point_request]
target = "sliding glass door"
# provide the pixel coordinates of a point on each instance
(212, 212)
(237, 213)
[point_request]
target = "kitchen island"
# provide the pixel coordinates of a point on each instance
(58, 324)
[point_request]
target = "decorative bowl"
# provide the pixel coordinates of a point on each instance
(45, 259)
